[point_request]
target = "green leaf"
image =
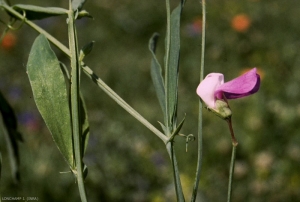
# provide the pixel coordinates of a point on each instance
(84, 14)
(12, 136)
(163, 127)
(84, 124)
(86, 49)
(173, 68)
(37, 12)
(50, 94)
(77, 4)
(177, 130)
(156, 73)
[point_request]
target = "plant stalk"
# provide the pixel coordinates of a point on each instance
(167, 58)
(232, 163)
(178, 187)
(169, 123)
(231, 172)
(200, 110)
(76, 129)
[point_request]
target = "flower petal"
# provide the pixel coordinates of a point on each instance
(241, 86)
(206, 89)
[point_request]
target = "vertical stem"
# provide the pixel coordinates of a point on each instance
(231, 172)
(75, 103)
(203, 39)
(178, 187)
(167, 56)
(232, 163)
(200, 120)
(168, 120)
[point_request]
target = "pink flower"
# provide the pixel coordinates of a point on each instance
(213, 88)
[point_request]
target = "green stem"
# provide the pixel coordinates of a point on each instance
(91, 75)
(200, 119)
(122, 103)
(170, 125)
(178, 187)
(75, 103)
(231, 172)
(167, 56)
(233, 139)
(232, 163)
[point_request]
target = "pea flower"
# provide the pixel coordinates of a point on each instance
(214, 92)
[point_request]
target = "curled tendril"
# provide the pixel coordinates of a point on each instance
(188, 138)
(12, 22)
(9, 26)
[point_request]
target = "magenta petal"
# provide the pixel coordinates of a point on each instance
(241, 86)
(207, 87)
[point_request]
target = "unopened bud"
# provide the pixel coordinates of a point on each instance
(221, 109)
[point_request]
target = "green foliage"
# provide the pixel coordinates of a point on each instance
(156, 74)
(84, 125)
(86, 50)
(126, 163)
(172, 67)
(50, 95)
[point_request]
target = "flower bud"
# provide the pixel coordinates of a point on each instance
(221, 109)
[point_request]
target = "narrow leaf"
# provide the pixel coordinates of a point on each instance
(163, 127)
(173, 69)
(84, 124)
(156, 73)
(12, 136)
(86, 49)
(50, 94)
(171, 87)
(37, 12)
(177, 130)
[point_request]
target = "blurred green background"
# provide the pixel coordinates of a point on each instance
(126, 161)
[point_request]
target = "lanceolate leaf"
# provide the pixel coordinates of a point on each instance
(156, 73)
(173, 67)
(37, 12)
(85, 125)
(50, 94)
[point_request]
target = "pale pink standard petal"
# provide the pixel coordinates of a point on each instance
(206, 89)
(241, 86)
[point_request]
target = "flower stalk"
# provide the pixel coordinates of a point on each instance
(231, 171)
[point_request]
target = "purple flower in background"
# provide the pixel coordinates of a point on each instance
(213, 88)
